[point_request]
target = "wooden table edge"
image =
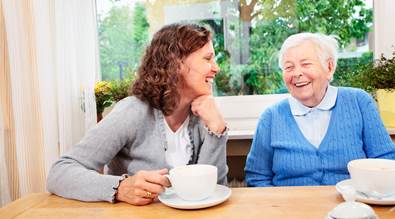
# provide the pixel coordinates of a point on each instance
(14, 208)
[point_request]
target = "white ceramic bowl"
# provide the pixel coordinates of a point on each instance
(374, 177)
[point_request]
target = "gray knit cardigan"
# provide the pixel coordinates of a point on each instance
(130, 138)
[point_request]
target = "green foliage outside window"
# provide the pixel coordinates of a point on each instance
(348, 69)
(139, 34)
(261, 75)
(123, 36)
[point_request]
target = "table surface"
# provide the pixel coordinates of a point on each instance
(276, 202)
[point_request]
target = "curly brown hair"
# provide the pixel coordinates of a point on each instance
(158, 75)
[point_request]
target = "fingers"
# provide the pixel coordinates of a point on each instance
(151, 187)
(145, 194)
(201, 105)
(139, 200)
(142, 201)
(163, 171)
(158, 178)
(206, 109)
(151, 181)
(127, 193)
(143, 187)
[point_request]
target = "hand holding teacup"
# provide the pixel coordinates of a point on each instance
(143, 187)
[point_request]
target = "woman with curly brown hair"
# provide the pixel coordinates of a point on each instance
(171, 119)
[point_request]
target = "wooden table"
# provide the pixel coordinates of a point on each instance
(275, 202)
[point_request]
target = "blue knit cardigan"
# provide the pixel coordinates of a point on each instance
(281, 156)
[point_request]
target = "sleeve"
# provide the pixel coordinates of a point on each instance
(376, 140)
(259, 162)
(76, 175)
(213, 151)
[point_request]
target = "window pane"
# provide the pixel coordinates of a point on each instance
(248, 35)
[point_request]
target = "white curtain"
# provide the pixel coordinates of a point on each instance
(384, 33)
(76, 62)
(53, 59)
(4, 188)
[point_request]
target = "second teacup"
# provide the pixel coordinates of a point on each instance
(373, 177)
(193, 182)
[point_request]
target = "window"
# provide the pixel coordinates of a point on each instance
(248, 35)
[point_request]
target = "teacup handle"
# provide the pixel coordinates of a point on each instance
(168, 177)
(168, 189)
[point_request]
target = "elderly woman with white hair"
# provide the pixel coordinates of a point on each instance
(308, 138)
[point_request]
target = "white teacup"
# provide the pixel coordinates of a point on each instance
(193, 182)
(374, 177)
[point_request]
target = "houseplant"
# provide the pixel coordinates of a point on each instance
(378, 78)
(103, 97)
(109, 92)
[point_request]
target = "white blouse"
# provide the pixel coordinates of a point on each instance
(179, 148)
(314, 122)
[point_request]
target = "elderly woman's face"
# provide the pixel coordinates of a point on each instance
(304, 75)
(199, 71)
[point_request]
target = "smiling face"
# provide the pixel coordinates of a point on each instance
(198, 72)
(304, 75)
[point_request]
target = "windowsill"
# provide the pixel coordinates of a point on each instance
(240, 134)
(249, 134)
(242, 113)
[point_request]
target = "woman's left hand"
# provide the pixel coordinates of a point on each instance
(207, 110)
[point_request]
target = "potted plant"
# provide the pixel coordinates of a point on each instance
(103, 97)
(109, 92)
(378, 78)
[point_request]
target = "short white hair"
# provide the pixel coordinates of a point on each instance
(326, 46)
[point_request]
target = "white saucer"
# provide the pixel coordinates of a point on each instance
(221, 194)
(342, 186)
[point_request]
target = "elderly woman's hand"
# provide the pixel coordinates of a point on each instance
(143, 187)
(207, 110)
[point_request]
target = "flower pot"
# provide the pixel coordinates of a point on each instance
(386, 104)
(99, 116)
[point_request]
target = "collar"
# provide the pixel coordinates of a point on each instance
(327, 103)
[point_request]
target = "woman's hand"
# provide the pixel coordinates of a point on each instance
(143, 187)
(207, 110)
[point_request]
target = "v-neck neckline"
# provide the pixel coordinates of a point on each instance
(162, 132)
(182, 126)
(328, 132)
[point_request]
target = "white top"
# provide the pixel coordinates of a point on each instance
(179, 148)
(314, 122)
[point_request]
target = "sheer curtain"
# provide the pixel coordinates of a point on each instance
(4, 188)
(384, 33)
(53, 61)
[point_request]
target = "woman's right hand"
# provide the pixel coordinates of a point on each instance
(205, 107)
(143, 187)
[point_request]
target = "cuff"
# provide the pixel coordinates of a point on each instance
(123, 177)
(225, 132)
